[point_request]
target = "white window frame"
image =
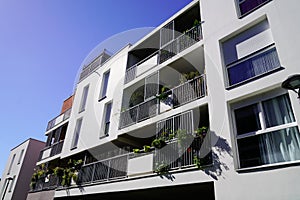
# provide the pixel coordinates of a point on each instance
(103, 134)
(76, 133)
(258, 100)
(21, 155)
(84, 97)
(12, 184)
(11, 163)
(103, 86)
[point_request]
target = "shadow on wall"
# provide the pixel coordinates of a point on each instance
(220, 149)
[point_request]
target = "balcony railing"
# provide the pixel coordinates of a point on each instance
(253, 65)
(46, 183)
(53, 150)
(189, 91)
(139, 112)
(176, 155)
(174, 47)
(104, 170)
(90, 68)
(182, 94)
(57, 120)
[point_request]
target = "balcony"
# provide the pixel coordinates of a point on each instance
(50, 182)
(169, 50)
(104, 170)
(91, 67)
(59, 119)
(173, 98)
(173, 156)
(53, 150)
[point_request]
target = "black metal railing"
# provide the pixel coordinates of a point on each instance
(104, 170)
(50, 182)
(139, 113)
(54, 149)
(189, 91)
(60, 118)
(181, 154)
(179, 95)
(181, 43)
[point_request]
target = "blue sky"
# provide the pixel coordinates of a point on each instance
(42, 45)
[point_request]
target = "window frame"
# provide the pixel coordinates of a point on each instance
(84, 97)
(76, 133)
(105, 133)
(245, 58)
(238, 10)
(264, 130)
(12, 184)
(104, 86)
(21, 156)
(11, 163)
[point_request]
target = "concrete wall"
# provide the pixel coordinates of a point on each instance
(43, 195)
(93, 115)
(220, 23)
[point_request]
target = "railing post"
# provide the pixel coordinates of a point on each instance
(93, 173)
(108, 170)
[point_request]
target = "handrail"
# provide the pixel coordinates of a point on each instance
(269, 47)
(178, 48)
(144, 59)
(106, 159)
(202, 75)
(51, 123)
(137, 105)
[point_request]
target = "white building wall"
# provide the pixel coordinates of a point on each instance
(93, 115)
(221, 22)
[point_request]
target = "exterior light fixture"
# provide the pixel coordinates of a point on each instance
(292, 83)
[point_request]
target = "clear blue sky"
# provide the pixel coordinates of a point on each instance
(42, 45)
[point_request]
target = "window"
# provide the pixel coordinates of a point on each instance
(250, 54)
(247, 6)
(3, 186)
(21, 155)
(104, 85)
(107, 119)
(12, 184)
(76, 133)
(11, 163)
(84, 98)
(267, 132)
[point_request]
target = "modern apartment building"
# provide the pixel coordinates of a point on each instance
(195, 108)
(19, 169)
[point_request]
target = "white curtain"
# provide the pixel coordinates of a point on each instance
(278, 111)
(280, 146)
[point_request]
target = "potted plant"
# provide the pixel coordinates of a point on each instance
(147, 148)
(158, 143)
(161, 168)
(202, 131)
(136, 150)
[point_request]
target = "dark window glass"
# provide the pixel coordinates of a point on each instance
(247, 6)
(247, 119)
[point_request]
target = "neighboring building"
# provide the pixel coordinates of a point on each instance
(206, 85)
(19, 169)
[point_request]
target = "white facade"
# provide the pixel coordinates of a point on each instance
(241, 55)
(19, 168)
